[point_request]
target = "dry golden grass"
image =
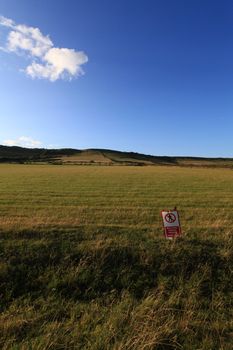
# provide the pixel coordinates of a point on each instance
(84, 264)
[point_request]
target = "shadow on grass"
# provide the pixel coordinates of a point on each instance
(59, 263)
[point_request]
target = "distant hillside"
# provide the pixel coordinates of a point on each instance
(16, 154)
(21, 154)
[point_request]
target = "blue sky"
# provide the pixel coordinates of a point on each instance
(152, 76)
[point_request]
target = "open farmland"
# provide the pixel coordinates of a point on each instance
(84, 264)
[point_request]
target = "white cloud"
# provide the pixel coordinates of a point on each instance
(49, 62)
(31, 41)
(25, 38)
(6, 22)
(23, 141)
(58, 63)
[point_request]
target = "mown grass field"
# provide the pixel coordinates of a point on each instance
(84, 264)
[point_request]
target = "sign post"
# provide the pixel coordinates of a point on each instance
(171, 223)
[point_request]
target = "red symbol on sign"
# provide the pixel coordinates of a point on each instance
(170, 218)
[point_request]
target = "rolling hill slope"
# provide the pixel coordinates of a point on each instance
(16, 154)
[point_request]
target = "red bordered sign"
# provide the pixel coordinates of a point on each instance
(171, 223)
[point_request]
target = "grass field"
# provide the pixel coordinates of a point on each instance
(84, 264)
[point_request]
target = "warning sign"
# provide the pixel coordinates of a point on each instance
(170, 218)
(171, 223)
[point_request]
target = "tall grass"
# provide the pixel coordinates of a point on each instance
(84, 264)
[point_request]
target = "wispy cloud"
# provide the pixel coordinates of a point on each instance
(47, 61)
(23, 141)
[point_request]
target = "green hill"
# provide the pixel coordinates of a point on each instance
(16, 154)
